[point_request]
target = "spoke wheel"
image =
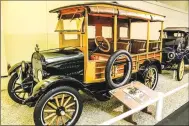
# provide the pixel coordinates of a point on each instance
(180, 70)
(151, 77)
(60, 106)
(15, 90)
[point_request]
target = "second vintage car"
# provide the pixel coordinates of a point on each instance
(175, 49)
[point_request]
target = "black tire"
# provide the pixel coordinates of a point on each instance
(40, 105)
(11, 85)
(127, 75)
(154, 83)
(180, 70)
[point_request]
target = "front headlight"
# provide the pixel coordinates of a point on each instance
(171, 55)
(39, 75)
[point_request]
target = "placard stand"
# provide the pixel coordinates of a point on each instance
(134, 95)
(130, 118)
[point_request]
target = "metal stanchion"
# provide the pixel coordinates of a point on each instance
(159, 108)
(174, 74)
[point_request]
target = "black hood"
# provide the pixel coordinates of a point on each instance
(56, 55)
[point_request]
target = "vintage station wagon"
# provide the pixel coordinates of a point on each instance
(96, 54)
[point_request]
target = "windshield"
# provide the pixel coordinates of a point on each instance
(70, 31)
(173, 35)
(70, 24)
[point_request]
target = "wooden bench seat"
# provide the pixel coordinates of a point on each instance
(138, 46)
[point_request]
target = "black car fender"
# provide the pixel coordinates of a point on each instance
(146, 64)
(179, 57)
(15, 67)
(55, 81)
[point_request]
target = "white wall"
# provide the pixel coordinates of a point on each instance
(174, 18)
(183, 5)
(27, 23)
(3, 56)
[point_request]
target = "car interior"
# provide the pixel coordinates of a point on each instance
(101, 36)
(103, 27)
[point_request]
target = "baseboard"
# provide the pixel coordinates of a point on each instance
(4, 76)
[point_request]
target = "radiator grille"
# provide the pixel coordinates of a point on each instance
(36, 64)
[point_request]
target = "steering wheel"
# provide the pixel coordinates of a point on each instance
(102, 43)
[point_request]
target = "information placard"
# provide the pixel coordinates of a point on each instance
(134, 94)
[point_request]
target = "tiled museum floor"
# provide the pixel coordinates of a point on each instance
(95, 112)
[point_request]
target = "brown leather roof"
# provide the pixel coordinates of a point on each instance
(56, 10)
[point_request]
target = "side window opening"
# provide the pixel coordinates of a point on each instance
(91, 32)
(107, 31)
(123, 32)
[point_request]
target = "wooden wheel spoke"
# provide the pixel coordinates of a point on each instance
(62, 100)
(49, 116)
(148, 84)
(17, 88)
(20, 94)
(52, 105)
(17, 84)
(23, 95)
(69, 105)
(68, 116)
(147, 79)
(19, 91)
(52, 120)
(148, 75)
(49, 111)
(70, 110)
(67, 101)
(153, 78)
(62, 120)
(27, 95)
(57, 102)
(150, 72)
(57, 120)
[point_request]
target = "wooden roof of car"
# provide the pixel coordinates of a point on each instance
(105, 4)
(181, 29)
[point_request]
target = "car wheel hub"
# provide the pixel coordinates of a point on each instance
(60, 111)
